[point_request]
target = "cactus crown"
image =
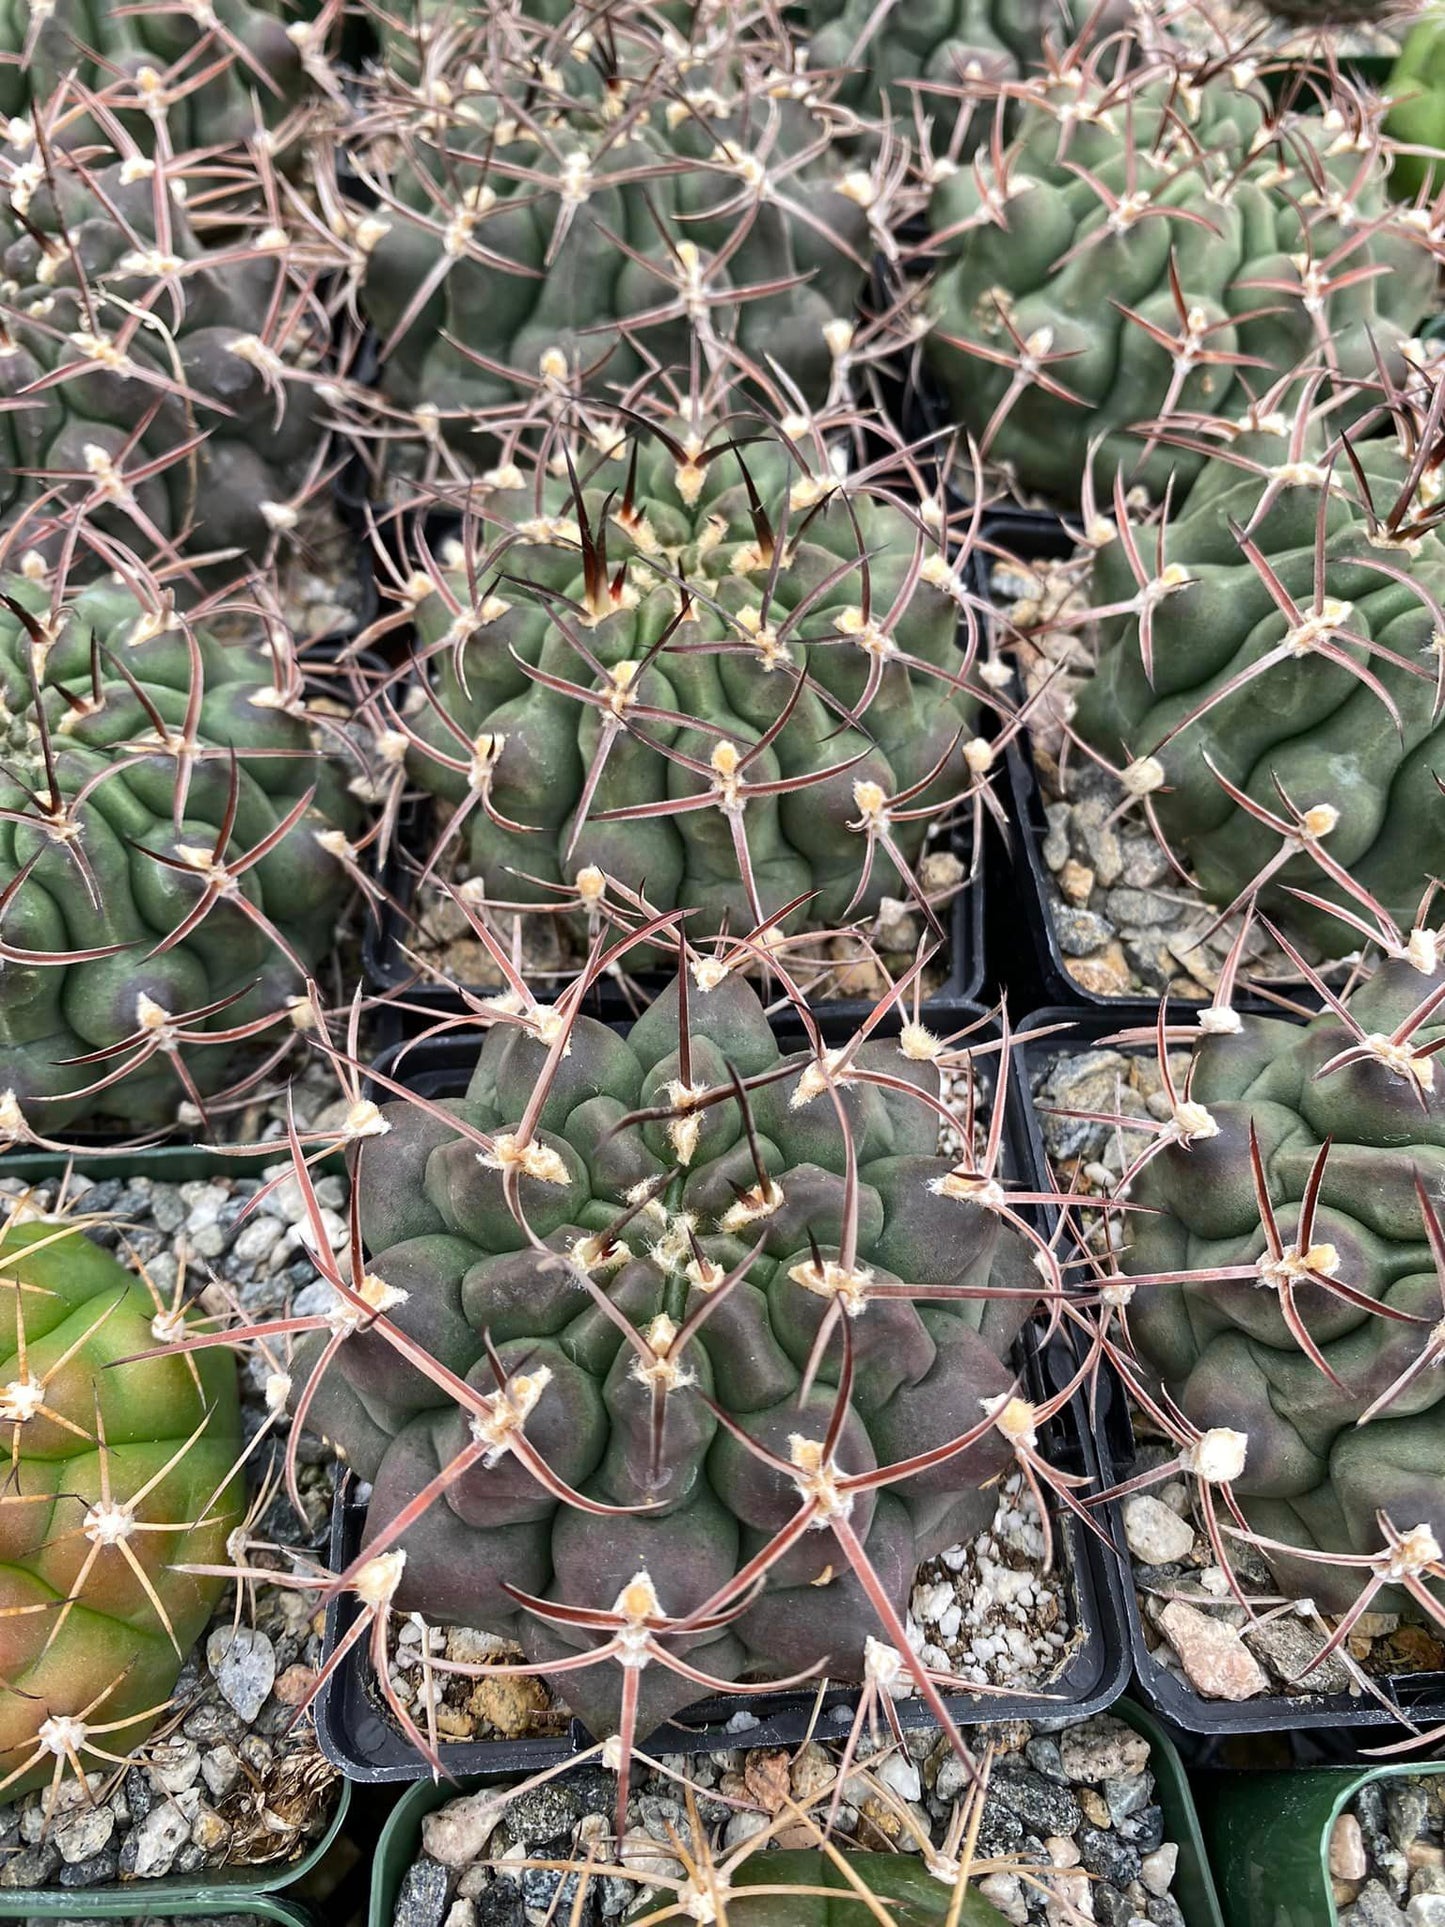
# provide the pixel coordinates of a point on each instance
(701, 663)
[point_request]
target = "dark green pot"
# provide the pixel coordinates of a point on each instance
(1269, 1834)
(400, 1841)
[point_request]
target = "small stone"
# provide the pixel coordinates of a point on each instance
(1164, 1910)
(1373, 1907)
(1426, 1910)
(1075, 1899)
(900, 1775)
(32, 1866)
(1157, 1869)
(1081, 933)
(1102, 1748)
(99, 1871)
(85, 1835)
(1043, 1807)
(743, 1827)
(243, 1663)
(1096, 1808)
(501, 1905)
(650, 1860)
(209, 1832)
(457, 1834)
(542, 1813)
(1005, 1892)
(1214, 1657)
(257, 1240)
(294, 1684)
(1125, 1797)
(1103, 1853)
(1347, 1857)
(1076, 880)
(422, 1898)
(1105, 975)
(461, 1913)
(175, 1765)
(509, 1703)
(220, 1770)
(158, 1839)
(1290, 1649)
(1407, 1808)
(1156, 1535)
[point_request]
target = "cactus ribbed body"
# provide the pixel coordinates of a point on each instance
(84, 856)
(452, 1264)
(1310, 723)
(567, 235)
(88, 1424)
(705, 690)
(1058, 273)
(127, 337)
(1313, 1475)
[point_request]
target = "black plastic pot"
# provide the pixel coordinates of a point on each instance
(1327, 1720)
(361, 1739)
(387, 969)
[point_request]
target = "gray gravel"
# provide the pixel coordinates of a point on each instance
(1071, 1806)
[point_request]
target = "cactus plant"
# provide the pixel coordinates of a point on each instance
(204, 71)
(554, 221)
(173, 856)
(1415, 118)
(1269, 668)
(910, 59)
(120, 1475)
(705, 669)
(1160, 242)
(157, 379)
(674, 1350)
(1283, 1279)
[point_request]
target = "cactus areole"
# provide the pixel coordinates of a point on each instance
(635, 1259)
(119, 1476)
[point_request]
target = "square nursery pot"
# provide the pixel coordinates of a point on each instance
(400, 1841)
(214, 1890)
(1311, 1725)
(363, 1741)
(1269, 1837)
(387, 970)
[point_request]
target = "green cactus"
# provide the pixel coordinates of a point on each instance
(565, 226)
(601, 1281)
(894, 55)
(1415, 117)
(1303, 1348)
(172, 857)
(156, 382)
(208, 66)
(576, 714)
(1157, 245)
(1291, 720)
(105, 1446)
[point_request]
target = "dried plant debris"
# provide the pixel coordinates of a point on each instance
(229, 1778)
(1068, 1827)
(1387, 1854)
